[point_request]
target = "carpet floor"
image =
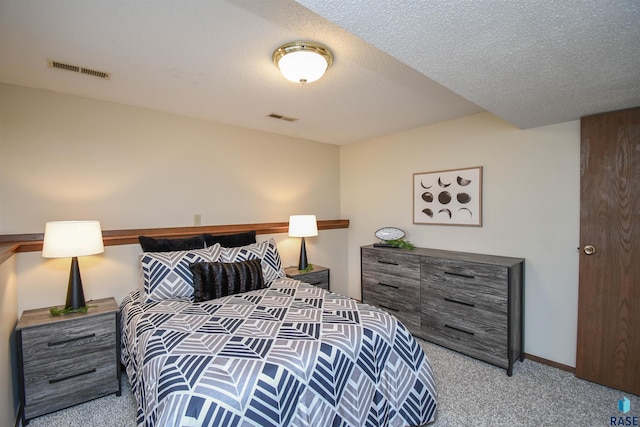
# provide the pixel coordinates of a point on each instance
(470, 393)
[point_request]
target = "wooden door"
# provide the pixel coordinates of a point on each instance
(608, 348)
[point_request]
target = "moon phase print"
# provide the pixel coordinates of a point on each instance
(449, 197)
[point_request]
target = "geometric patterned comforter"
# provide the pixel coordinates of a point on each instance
(289, 355)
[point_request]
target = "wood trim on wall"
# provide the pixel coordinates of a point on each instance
(551, 363)
(12, 243)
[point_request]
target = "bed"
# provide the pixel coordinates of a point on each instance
(285, 354)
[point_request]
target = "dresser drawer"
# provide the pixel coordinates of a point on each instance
(410, 318)
(476, 278)
(391, 291)
(474, 318)
(471, 336)
(464, 300)
(391, 281)
(391, 262)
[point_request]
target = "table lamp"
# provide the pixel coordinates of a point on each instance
(63, 239)
(303, 226)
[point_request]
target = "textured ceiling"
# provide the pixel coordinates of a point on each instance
(530, 62)
(398, 65)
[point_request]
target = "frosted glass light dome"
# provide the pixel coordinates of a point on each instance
(302, 62)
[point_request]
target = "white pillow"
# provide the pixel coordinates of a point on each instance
(266, 251)
(166, 275)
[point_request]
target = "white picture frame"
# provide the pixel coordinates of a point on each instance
(448, 197)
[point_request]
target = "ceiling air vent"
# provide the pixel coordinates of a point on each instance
(76, 69)
(281, 117)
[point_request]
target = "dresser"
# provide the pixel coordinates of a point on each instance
(470, 303)
(69, 359)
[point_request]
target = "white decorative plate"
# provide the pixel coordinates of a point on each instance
(389, 233)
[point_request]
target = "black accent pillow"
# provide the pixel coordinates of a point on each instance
(218, 279)
(151, 244)
(231, 240)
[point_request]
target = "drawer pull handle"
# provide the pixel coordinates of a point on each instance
(468, 304)
(381, 261)
(458, 329)
(68, 377)
(388, 285)
(84, 337)
(468, 276)
(388, 308)
(316, 283)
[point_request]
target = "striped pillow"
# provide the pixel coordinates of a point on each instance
(218, 279)
(166, 275)
(266, 251)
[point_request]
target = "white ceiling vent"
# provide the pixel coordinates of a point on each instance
(76, 69)
(281, 117)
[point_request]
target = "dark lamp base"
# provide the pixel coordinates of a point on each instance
(75, 294)
(302, 263)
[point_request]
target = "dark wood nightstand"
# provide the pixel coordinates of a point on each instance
(69, 359)
(319, 276)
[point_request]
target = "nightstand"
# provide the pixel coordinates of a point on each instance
(319, 276)
(69, 359)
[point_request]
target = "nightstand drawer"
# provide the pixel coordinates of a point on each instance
(67, 340)
(319, 276)
(70, 382)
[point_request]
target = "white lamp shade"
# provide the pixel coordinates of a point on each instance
(302, 66)
(303, 226)
(66, 239)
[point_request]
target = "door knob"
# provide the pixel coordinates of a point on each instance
(589, 250)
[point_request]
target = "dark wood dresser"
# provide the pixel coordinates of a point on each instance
(471, 303)
(69, 359)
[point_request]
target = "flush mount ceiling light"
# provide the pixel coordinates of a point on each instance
(302, 62)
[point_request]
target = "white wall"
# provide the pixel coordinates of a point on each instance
(66, 157)
(8, 357)
(530, 208)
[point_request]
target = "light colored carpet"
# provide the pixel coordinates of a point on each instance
(470, 393)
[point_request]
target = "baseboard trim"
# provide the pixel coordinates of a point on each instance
(551, 363)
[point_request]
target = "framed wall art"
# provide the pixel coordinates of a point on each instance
(449, 197)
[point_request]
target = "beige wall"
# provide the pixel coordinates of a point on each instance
(64, 157)
(8, 320)
(530, 208)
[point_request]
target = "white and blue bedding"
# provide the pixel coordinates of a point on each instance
(288, 355)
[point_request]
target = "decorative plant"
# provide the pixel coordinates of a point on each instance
(401, 243)
(58, 311)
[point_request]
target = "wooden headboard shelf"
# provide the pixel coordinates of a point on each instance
(12, 243)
